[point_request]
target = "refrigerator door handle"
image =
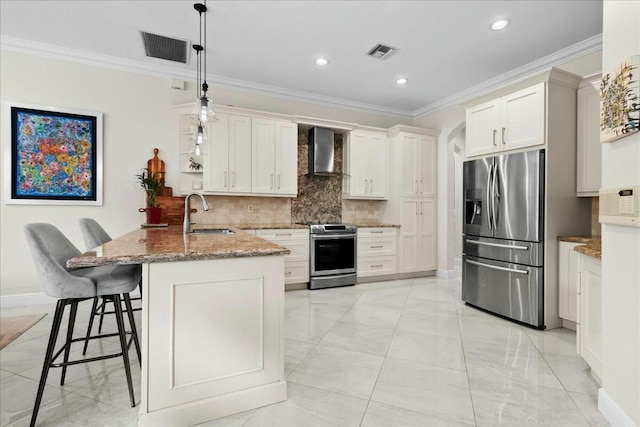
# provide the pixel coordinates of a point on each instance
(494, 195)
(495, 267)
(496, 245)
(489, 198)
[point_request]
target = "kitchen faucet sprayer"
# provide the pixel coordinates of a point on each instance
(186, 225)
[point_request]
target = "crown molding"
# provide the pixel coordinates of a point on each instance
(162, 70)
(585, 47)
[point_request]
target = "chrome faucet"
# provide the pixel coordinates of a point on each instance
(186, 224)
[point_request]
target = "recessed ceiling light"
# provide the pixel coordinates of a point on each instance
(500, 24)
(402, 81)
(322, 62)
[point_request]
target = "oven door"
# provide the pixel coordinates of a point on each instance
(332, 254)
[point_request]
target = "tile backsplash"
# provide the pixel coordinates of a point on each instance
(360, 211)
(319, 197)
(595, 212)
(235, 210)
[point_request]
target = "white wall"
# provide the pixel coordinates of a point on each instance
(621, 245)
(138, 116)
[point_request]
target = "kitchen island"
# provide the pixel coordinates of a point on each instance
(212, 321)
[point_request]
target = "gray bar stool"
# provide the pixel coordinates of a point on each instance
(50, 250)
(94, 235)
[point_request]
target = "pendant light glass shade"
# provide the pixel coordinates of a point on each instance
(198, 139)
(203, 109)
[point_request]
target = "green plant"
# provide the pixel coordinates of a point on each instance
(152, 185)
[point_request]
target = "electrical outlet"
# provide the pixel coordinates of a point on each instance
(250, 208)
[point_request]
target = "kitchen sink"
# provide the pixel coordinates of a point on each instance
(212, 231)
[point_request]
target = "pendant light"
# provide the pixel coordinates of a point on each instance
(203, 109)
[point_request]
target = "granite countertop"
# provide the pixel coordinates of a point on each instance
(374, 225)
(271, 226)
(302, 226)
(147, 245)
(592, 244)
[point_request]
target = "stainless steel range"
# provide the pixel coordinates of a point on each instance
(332, 255)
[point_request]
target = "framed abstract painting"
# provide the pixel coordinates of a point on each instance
(620, 101)
(54, 156)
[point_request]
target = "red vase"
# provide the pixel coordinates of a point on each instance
(153, 215)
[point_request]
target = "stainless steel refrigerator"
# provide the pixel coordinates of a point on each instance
(503, 226)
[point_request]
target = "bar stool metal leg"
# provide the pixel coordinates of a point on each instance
(93, 311)
(53, 336)
(132, 322)
(67, 345)
(123, 344)
(104, 303)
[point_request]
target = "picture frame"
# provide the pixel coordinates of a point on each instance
(52, 156)
(620, 101)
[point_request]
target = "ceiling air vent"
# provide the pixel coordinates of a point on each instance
(156, 46)
(381, 51)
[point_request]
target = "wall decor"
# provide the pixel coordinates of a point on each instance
(53, 156)
(620, 101)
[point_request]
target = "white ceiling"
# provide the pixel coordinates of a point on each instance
(446, 47)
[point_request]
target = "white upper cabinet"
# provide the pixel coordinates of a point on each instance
(229, 165)
(418, 164)
(511, 122)
(274, 157)
(286, 158)
(589, 167)
(365, 165)
(247, 153)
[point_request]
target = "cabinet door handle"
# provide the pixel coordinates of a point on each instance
(376, 247)
(377, 232)
(233, 179)
(272, 181)
(287, 273)
(495, 131)
(416, 188)
(504, 141)
(371, 186)
(283, 234)
(225, 180)
(278, 181)
(417, 209)
(421, 187)
(366, 186)
(377, 266)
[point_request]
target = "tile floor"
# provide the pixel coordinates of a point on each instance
(399, 353)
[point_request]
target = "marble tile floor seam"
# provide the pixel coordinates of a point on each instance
(378, 333)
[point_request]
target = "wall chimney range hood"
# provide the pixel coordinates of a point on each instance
(321, 151)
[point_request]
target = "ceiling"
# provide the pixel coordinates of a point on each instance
(445, 47)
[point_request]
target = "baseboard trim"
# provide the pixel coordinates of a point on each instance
(38, 298)
(397, 276)
(20, 300)
(446, 274)
(612, 412)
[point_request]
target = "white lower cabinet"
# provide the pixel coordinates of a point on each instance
(590, 328)
(417, 235)
(296, 264)
(377, 254)
(568, 270)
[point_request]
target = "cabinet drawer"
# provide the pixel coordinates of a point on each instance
(376, 266)
(279, 234)
(297, 241)
(299, 249)
(296, 272)
(379, 246)
(376, 232)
